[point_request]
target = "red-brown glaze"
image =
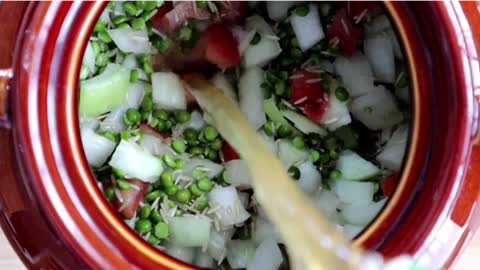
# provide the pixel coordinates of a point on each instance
(57, 218)
(452, 115)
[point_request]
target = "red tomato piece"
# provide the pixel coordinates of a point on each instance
(131, 197)
(344, 32)
(316, 111)
(307, 88)
(307, 93)
(229, 153)
(221, 47)
(390, 183)
(157, 19)
(358, 8)
(176, 17)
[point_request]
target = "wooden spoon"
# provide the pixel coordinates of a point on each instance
(312, 241)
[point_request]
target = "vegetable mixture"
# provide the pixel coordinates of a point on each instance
(323, 83)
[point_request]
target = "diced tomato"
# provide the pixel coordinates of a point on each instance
(307, 87)
(157, 19)
(233, 11)
(357, 8)
(131, 197)
(176, 17)
(229, 153)
(315, 111)
(221, 47)
(307, 93)
(345, 32)
(390, 183)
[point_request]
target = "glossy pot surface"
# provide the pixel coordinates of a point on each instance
(56, 217)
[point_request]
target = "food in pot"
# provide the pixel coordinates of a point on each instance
(324, 84)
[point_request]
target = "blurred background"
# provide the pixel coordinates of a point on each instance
(467, 261)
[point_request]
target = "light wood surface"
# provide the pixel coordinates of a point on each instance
(467, 261)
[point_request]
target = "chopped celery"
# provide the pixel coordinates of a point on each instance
(104, 92)
(304, 124)
(274, 113)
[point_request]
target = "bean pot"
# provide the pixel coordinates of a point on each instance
(56, 217)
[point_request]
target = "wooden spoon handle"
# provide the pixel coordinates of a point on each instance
(309, 236)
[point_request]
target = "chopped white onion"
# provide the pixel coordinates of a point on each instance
(97, 148)
(278, 10)
(130, 61)
(264, 230)
(185, 254)
(129, 40)
(354, 167)
(196, 122)
(379, 51)
(203, 260)
(243, 37)
(310, 178)
(308, 29)
(268, 256)
(221, 81)
(210, 168)
(89, 58)
(396, 45)
(326, 66)
(354, 192)
(327, 201)
(229, 208)
(258, 24)
(135, 162)
(135, 94)
(217, 245)
(289, 154)
(105, 16)
(114, 120)
(351, 231)
(356, 74)
(377, 109)
(304, 124)
(155, 146)
(168, 92)
(378, 25)
(337, 114)
(118, 9)
(267, 49)
(391, 156)
(361, 214)
(244, 198)
(189, 231)
(88, 122)
(261, 53)
(385, 136)
(240, 253)
(251, 96)
(237, 173)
